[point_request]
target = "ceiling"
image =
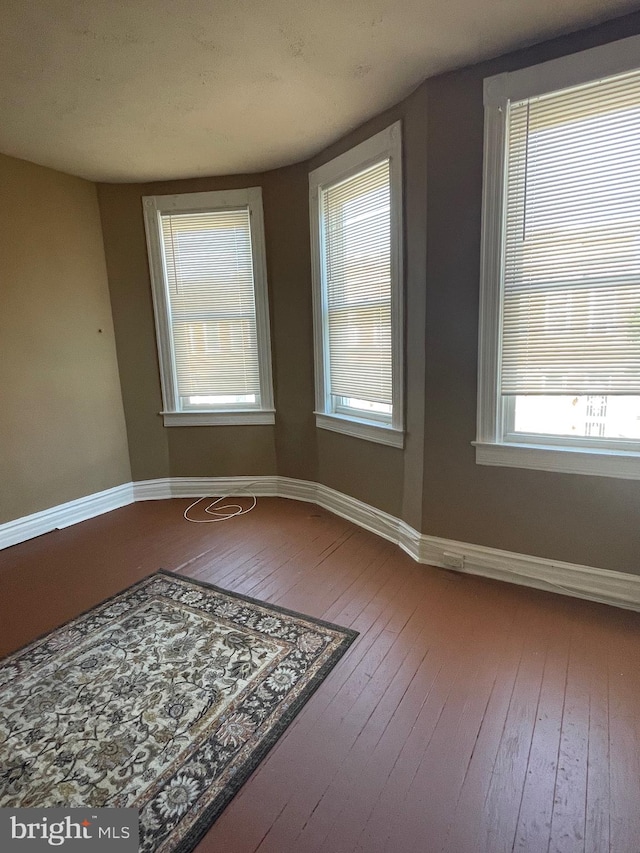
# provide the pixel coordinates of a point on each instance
(136, 90)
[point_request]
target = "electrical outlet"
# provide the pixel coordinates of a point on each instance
(453, 561)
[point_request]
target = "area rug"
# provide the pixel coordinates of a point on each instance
(164, 698)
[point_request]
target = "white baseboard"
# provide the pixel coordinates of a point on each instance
(194, 487)
(64, 515)
(608, 587)
(152, 490)
(353, 510)
(601, 585)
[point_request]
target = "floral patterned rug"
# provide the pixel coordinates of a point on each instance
(164, 698)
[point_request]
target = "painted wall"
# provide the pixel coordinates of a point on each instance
(387, 477)
(293, 447)
(434, 483)
(156, 450)
(589, 520)
(62, 433)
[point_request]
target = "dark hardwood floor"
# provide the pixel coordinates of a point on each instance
(469, 716)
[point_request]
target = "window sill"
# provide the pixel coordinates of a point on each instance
(379, 433)
(566, 460)
(228, 418)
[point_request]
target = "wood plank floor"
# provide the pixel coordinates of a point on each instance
(470, 716)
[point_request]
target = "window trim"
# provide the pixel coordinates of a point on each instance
(153, 207)
(385, 144)
(493, 447)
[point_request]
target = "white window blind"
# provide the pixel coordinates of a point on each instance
(356, 236)
(571, 299)
(210, 286)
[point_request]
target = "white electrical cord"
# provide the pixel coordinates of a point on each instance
(219, 512)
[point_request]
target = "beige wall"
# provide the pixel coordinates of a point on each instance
(158, 451)
(62, 432)
(581, 519)
(434, 483)
(294, 447)
(387, 477)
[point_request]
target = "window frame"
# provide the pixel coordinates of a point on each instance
(387, 144)
(153, 207)
(495, 444)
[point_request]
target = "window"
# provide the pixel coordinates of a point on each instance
(559, 361)
(208, 274)
(356, 226)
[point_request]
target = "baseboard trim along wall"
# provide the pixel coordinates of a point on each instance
(64, 515)
(600, 585)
